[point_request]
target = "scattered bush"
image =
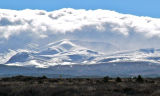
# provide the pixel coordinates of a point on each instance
(43, 86)
(139, 79)
(106, 79)
(118, 79)
(44, 77)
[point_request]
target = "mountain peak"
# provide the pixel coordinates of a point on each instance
(66, 41)
(64, 45)
(60, 42)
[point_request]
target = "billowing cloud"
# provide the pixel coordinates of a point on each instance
(22, 27)
(42, 23)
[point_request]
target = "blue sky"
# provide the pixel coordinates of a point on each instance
(136, 7)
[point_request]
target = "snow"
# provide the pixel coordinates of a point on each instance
(65, 52)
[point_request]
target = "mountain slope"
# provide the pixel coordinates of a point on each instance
(58, 53)
(69, 59)
(146, 55)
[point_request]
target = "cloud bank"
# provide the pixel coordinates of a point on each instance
(42, 23)
(25, 26)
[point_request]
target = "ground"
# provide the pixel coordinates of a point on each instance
(43, 86)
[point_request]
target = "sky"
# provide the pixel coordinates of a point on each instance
(136, 7)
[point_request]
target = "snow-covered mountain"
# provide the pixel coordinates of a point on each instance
(63, 52)
(72, 59)
(105, 47)
(146, 55)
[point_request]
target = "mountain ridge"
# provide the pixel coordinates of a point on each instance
(65, 52)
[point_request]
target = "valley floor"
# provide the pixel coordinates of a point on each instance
(43, 86)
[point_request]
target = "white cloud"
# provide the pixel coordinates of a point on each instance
(22, 27)
(42, 23)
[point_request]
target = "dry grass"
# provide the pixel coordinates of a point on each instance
(42, 86)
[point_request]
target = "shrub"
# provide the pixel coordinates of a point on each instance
(118, 79)
(139, 79)
(106, 79)
(44, 77)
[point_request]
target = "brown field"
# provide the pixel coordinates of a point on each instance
(43, 86)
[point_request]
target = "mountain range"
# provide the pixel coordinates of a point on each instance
(74, 58)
